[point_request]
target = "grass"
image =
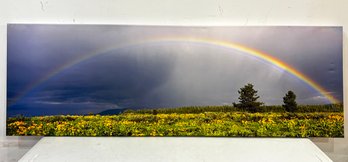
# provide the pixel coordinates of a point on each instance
(189, 121)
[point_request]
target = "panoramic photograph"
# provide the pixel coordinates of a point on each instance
(214, 81)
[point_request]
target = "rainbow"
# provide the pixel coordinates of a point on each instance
(220, 43)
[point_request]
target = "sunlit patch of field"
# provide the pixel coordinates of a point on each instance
(233, 124)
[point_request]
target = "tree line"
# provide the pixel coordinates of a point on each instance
(248, 100)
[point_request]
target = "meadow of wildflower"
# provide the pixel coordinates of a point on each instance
(157, 123)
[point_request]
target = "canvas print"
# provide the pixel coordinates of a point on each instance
(131, 80)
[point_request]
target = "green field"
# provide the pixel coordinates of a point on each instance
(309, 121)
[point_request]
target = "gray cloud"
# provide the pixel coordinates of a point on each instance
(165, 74)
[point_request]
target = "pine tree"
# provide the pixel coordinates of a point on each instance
(248, 98)
(289, 100)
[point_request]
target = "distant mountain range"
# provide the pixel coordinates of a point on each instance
(112, 111)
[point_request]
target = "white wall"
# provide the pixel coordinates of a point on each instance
(170, 12)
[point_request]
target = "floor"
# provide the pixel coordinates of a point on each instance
(336, 149)
(13, 148)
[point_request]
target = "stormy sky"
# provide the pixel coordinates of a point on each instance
(154, 74)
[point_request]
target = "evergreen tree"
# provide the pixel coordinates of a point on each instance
(248, 98)
(289, 100)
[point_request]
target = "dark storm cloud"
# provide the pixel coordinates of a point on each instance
(115, 78)
(163, 74)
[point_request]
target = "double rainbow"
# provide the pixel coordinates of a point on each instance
(220, 43)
